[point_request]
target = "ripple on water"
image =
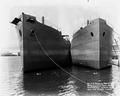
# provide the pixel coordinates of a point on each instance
(56, 82)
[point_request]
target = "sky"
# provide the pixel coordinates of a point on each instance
(65, 15)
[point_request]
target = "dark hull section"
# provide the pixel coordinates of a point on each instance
(42, 47)
(92, 45)
(105, 44)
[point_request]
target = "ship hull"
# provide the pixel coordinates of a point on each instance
(92, 45)
(41, 46)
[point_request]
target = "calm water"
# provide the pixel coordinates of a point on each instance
(83, 82)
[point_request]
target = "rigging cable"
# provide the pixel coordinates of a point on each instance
(115, 50)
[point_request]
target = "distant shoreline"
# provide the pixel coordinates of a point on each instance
(10, 54)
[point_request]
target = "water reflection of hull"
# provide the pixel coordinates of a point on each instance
(62, 84)
(58, 83)
(95, 81)
(92, 46)
(38, 42)
(44, 82)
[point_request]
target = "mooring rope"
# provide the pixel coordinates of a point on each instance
(60, 66)
(54, 61)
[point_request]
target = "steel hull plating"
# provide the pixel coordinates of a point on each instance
(92, 45)
(41, 46)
